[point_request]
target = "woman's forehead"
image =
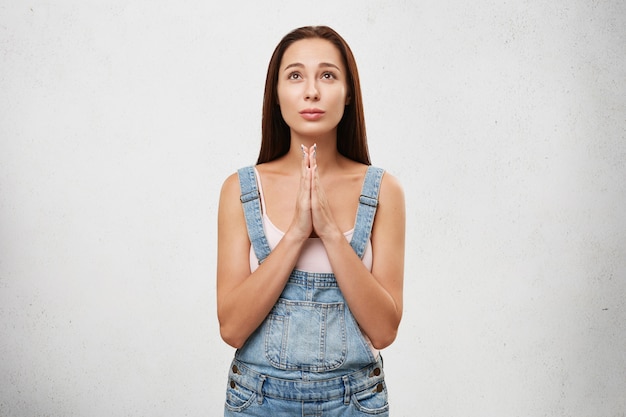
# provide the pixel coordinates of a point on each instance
(311, 52)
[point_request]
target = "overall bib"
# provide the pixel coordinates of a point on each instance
(309, 357)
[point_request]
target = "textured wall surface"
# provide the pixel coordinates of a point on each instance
(504, 120)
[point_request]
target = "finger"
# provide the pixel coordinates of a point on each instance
(306, 170)
(305, 157)
(313, 162)
(313, 155)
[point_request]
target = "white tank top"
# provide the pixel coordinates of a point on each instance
(313, 257)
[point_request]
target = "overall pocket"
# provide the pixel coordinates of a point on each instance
(238, 398)
(305, 335)
(373, 400)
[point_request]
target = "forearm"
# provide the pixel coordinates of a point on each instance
(373, 306)
(246, 305)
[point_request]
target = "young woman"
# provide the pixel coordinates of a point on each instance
(310, 246)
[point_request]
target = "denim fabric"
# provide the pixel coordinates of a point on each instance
(309, 357)
(359, 393)
(367, 209)
(251, 201)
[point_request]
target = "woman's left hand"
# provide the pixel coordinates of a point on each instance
(323, 222)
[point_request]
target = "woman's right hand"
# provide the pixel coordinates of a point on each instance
(302, 223)
(243, 303)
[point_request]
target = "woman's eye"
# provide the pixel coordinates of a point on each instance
(294, 76)
(328, 76)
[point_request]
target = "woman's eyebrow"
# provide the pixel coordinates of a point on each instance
(294, 65)
(329, 64)
(321, 65)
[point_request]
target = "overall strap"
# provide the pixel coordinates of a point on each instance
(250, 199)
(368, 202)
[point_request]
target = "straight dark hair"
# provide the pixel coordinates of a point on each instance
(275, 133)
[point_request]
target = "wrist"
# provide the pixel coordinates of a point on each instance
(295, 237)
(332, 236)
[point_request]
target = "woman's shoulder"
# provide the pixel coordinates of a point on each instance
(232, 180)
(230, 186)
(388, 180)
(391, 188)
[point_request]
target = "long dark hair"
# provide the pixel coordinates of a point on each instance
(275, 133)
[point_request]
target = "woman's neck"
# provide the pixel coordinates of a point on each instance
(326, 150)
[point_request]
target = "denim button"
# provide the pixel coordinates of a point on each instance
(375, 372)
(235, 369)
(379, 388)
(232, 384)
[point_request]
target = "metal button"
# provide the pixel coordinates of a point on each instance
(376, 371)
(235, 369)
(232, 384)
(379, 387)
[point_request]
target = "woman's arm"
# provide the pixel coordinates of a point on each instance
(375, 298)
(244, 299)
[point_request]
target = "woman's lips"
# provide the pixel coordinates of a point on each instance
(311, 114)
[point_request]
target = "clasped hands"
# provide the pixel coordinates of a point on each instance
(313, 217)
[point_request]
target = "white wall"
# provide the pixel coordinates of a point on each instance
(505, 121)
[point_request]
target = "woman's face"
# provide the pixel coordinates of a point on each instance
(312, 88)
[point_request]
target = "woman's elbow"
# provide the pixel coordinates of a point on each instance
(231, 338)
(385, 339)
(386, 334)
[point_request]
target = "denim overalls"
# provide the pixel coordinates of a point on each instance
(309, 357)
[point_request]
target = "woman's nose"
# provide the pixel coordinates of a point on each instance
(311, 92)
